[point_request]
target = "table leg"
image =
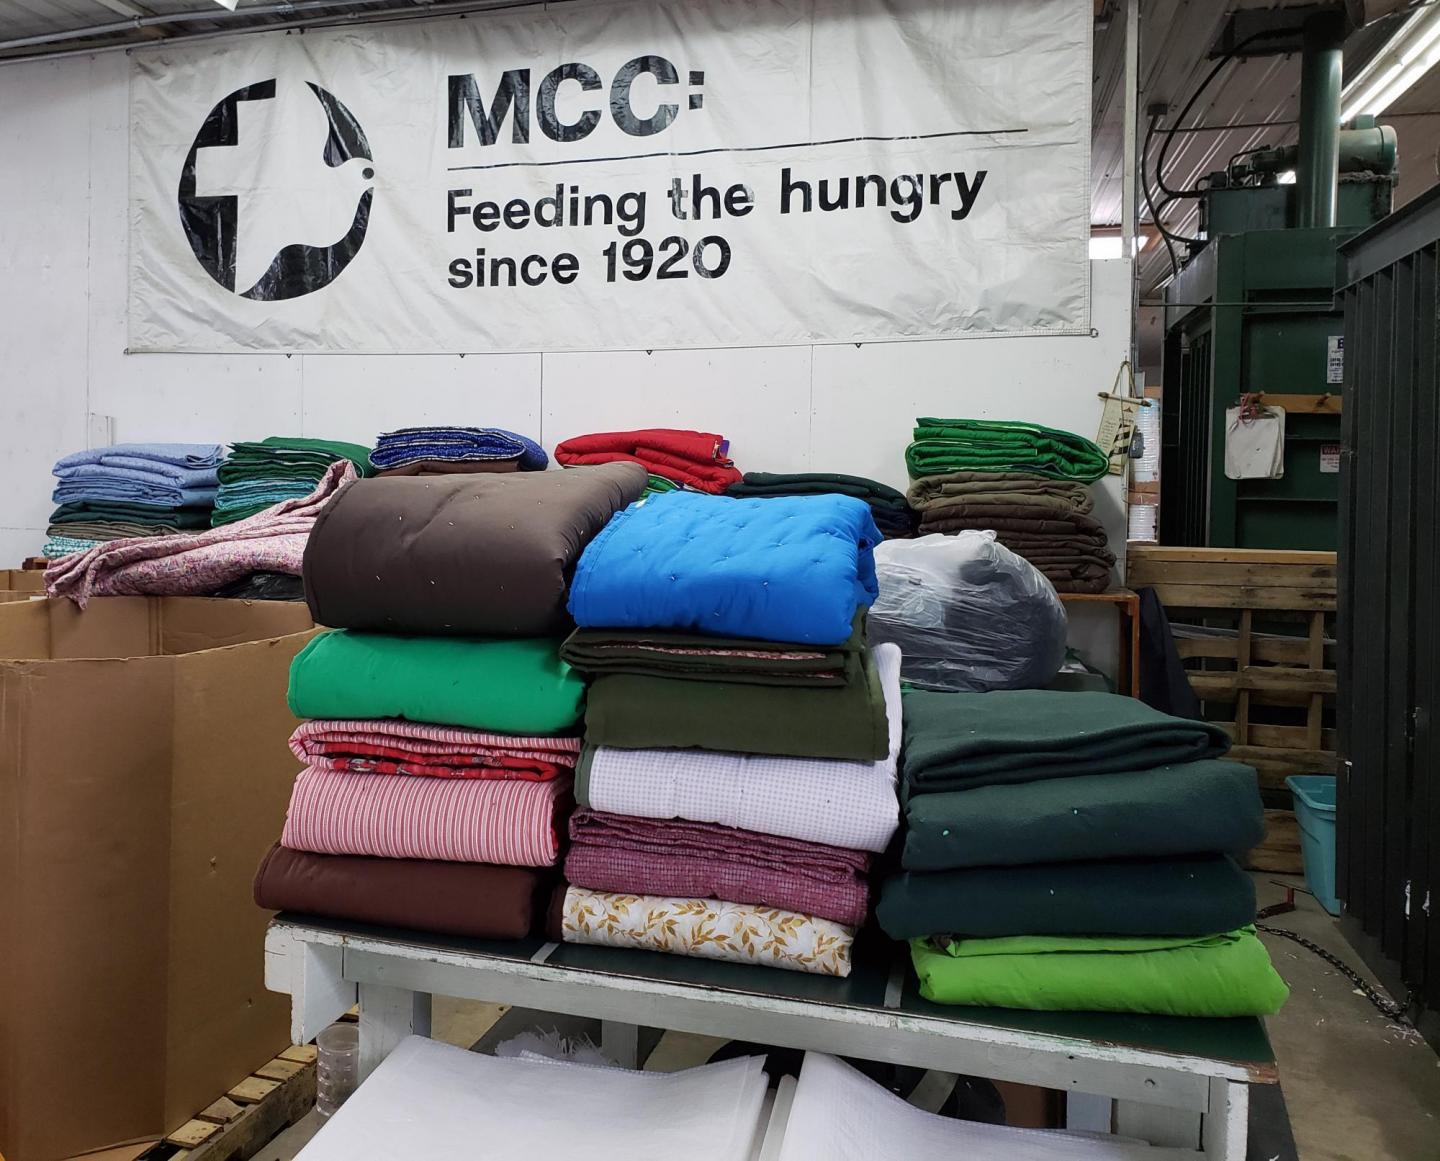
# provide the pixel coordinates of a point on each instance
(621, 1043)
(387, 1016)
(1173, 1128)
(1227, 1123)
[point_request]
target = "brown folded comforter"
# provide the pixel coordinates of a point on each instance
(466, 899)
(450, 468)
(998, 487)
(467, 555)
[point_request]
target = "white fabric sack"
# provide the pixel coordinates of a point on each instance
(1255, 450)
(437, 1102)
(820, 800)
(839, 1114)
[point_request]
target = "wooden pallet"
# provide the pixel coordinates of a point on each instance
(240, 1123)
(1267, 674)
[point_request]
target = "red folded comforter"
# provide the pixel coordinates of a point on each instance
(464, 820)
(646, 856)
(393, 746)
(696, 459)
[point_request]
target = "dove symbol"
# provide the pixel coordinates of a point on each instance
(276, 191)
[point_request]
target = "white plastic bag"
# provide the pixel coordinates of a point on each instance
(967, 613)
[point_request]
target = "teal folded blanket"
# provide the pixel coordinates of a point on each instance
(988, 445)
(956, 741)
(1191, 808)
(1193, 896)
(1215, 975)
(511, 686)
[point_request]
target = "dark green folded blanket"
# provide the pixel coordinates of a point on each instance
(951, 445)
(846, 721)
(818, 484)
(1228, 974)
(84, 512)
(280, 457)
(1191, 808)
(691, 657)
(956, 741)
(1192, 896)
(512, 685)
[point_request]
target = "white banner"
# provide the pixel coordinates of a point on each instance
(672, 173)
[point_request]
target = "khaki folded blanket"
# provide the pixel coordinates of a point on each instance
(450, 468)
(998, 487)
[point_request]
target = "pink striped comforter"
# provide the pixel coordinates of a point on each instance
(394, 746)
(463, 820)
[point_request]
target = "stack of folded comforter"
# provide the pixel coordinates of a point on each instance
(699, 460)
(741, 738)
(202, 562)
(1024, 482)
(441, 451)
(1075, 851)
(892, 512)
(438, 764)
(130, 490)
(258, 475)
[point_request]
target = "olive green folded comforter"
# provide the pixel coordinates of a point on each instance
(510, 685)
(1190, 808)
(1229, 974)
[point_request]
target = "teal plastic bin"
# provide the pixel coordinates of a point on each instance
(1315, 812)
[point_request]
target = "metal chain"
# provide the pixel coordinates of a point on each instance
(1386, 1006)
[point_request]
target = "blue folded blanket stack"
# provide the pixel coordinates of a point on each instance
(456, 445)
(136, 489)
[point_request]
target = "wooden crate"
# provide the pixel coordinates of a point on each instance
(1266, 671)
(237, 1125)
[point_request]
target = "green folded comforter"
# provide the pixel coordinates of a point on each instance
(1215, 975)
(844, 721)
(280, 457)
(1191, 808)
(957, 741)
(691, 657)
(512, 686)
(987, 445)
(1184, 896)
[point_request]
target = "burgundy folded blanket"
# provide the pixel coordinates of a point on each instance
(460, 556)
(696, 459)
(196, 564)
(645, 856)
(393, 746)
(465, 899)
(463, 820)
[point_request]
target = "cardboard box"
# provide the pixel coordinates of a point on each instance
(143, 774)
(21, 584)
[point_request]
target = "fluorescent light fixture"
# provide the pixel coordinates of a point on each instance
(230, 4)
(1109, 246)
(1408, 55)
(1285, 178)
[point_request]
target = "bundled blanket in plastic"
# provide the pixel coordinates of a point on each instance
(616, 852)
(1211, 975)
(708, 929)
(465, 820)
(795, 568)
(466, 899)
(188, 565)
(1182, 896)
(394, 746)
(1187, 809)
(410, 445)
(508, 686)
(692, 459)
(691, 657)
(845, 804)
(989, 445)
(471, 555)
(968, 614)
(954, 741)
(888, 505)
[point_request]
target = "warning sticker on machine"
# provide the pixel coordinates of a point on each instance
(1335, 361)
(1329, 458)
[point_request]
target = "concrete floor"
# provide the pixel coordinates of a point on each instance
(1358, 1087)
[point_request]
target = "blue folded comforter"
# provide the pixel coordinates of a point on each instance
(790, 568)
(158, 456)
(411, 445)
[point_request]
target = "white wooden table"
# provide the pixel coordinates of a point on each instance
(1165, 1080)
